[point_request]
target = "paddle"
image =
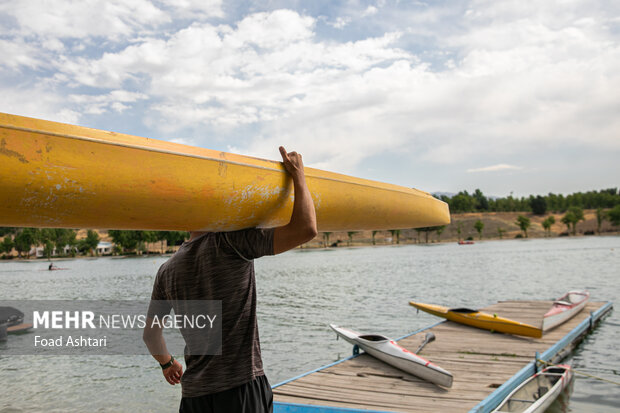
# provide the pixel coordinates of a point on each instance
(427, 339)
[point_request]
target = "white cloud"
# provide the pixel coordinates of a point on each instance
(195, 9)
(99, 104)
(495, 168)
(370, 10)
(17, 54)
(340, 22)
(113, 20)
(37, 101)
(83, 18)
(272, 30)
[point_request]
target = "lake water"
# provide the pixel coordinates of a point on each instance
(300, 292)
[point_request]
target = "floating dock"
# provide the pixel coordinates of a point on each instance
(486, 367)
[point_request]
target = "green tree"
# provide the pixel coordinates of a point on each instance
(47, 235)
(482, 203)
(350, 235)
(501, 231)
(566, 220)
(374, 233)
(523, 223)
(614, 215)
(538, 205)
(426, 231)
(572, 218)
(439, 231)
(48, 249)
(462, 202)
(326, 238)
(145, 237)
(91, 241)
(127, 239)
(171, 237)
(62, 238)
(8, 231)
(395, 235)
(479, 226)
(25, 239)
(7, 245)
(459, 229)
(600, 217)
(547, 223)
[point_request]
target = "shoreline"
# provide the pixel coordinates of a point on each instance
(463, 222)
(315, 247)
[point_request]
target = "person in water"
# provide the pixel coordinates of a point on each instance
(220, 266)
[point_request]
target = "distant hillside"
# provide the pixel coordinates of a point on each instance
(491, 220)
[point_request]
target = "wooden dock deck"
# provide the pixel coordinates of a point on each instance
(484, 365)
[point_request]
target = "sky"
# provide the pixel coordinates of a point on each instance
(518, 97)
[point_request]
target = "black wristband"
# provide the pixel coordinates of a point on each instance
(168, 364)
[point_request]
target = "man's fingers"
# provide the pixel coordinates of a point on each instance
(172, 379)
(283, 153)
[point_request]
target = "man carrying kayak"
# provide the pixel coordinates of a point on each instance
(219, 266)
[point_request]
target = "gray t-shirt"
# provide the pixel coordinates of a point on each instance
(219, 266)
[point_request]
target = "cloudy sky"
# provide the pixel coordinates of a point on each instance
(505, 96)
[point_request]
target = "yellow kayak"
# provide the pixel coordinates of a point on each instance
(59, 175)
(480, 319)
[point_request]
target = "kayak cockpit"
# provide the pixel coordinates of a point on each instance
(374, 337)
(463, 310)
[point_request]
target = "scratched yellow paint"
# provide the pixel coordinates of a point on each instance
(59, 175)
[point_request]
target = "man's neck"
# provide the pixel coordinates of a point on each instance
(195, 234)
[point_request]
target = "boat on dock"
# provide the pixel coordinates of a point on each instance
(537, 393)
(480, 319)
(487, 367)
(388, 351)
(13, 321)
(11, 316)
(565, 308)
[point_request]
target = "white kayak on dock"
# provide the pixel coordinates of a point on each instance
(388, 351)
(536, 394)
(565, 308)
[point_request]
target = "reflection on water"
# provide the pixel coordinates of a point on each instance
(300, 293)
(562, 403)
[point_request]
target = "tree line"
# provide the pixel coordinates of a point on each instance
(478, 202)
(64, 242)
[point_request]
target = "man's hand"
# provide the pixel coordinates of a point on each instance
(173, 373)
(292, 162)
(302, 226)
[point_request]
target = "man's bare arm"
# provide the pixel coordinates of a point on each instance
(302, 226)
(154, 340)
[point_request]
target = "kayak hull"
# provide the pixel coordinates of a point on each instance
(388, 351)
(480, 319)
(59, 175)
(565, 308)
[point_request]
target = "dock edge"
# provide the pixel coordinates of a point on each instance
(494, 399)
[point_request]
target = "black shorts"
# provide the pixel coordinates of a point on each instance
(252, 397)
